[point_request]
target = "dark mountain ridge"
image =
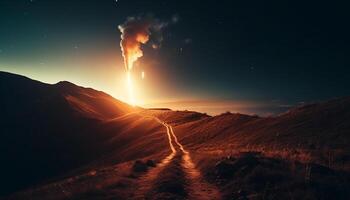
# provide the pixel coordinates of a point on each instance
(49, 129)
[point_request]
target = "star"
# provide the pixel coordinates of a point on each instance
(188, 40)
(175, 18)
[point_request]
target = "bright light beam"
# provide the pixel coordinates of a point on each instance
(130, 88)
(143, 75)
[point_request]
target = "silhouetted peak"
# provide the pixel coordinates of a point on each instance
(66, 84)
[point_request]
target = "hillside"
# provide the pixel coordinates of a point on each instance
(318, 129)
(48, 130)
(63, 141)
(325, 124)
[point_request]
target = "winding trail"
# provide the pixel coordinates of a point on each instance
(176, 176)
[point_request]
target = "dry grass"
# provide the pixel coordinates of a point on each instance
(252, 175)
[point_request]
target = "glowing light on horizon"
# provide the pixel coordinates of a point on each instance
(134, 33)
(130, 88)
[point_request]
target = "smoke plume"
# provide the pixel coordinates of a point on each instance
(137, 31)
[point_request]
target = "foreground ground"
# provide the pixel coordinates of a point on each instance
(180, 173)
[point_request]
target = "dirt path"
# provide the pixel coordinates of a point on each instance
(175, 177)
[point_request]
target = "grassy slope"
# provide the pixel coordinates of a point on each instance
(321, 128)
(48, 130)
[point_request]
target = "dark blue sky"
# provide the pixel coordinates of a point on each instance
(272, 54)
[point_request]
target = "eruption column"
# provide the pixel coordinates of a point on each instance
(134, 32)
(130, 88)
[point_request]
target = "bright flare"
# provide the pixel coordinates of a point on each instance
(143, 75)
(134, 33)
(130, 88)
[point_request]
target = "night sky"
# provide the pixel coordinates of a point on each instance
(216, 56)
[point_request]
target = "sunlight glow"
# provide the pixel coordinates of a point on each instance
(130, 89)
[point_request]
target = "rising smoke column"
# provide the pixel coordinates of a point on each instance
(134, 32)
